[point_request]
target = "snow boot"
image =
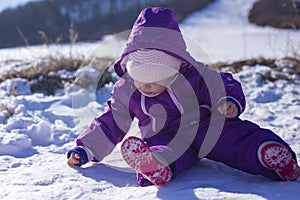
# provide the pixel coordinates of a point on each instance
(138, 156)
(278, 158)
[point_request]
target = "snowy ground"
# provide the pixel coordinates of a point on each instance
(34, 140)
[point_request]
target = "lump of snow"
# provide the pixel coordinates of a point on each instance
(87, 76)
(18, 86)
(41, 133)
(13, 143)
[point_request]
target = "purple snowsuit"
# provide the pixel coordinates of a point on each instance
(182, 124)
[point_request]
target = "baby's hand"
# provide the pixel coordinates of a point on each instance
(228, 109)
(74, 159)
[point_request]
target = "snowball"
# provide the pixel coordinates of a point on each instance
(41, 133)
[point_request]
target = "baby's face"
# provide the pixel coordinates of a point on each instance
(152, 89)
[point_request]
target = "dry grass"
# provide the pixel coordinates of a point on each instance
(33, 71)
(237, 66)
(4, 109)
(45, 77)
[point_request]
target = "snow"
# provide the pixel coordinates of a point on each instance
(223, 31)
(37, 130)
(13, 3)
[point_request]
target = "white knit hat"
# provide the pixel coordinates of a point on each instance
(150, 66)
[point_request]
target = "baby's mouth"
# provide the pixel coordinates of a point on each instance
(148, 93)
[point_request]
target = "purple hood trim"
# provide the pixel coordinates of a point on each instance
(156, 28)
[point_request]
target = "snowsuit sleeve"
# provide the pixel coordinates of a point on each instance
(109, 128)
(216, 88)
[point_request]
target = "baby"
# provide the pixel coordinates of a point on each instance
(185, 112)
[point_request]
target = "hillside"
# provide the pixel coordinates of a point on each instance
(56, 21)
(50, 21)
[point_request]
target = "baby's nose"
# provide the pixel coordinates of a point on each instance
(146, 86)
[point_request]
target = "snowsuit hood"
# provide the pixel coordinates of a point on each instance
(156, 28)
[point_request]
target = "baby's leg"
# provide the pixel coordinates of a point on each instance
(185, 161)
(170, 158)
(240, 145)
(139, 157)
(152, 164)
